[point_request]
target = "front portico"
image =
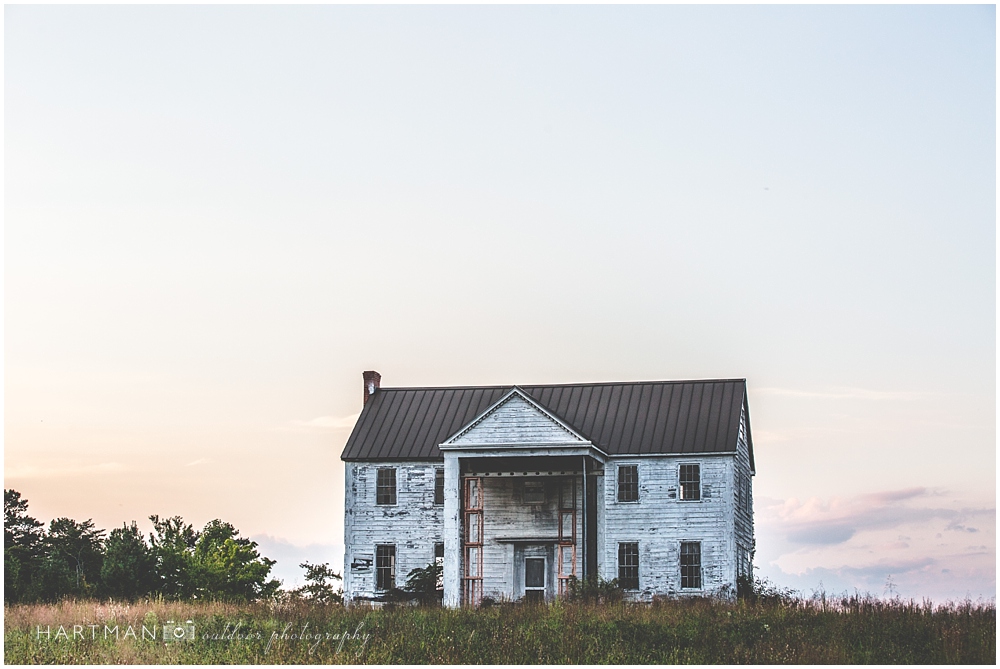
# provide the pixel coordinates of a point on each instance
(520, 505)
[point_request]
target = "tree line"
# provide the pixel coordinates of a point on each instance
(71, 558)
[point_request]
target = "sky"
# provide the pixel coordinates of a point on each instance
(217, 217)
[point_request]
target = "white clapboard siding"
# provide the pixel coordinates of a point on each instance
(660, 521)
(515, 421)
(414, 524)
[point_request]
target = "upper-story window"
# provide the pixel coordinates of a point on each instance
(743, 492)
(534, 492)
(439, 486)
(628, 483)
(385, 486)
(690, 480)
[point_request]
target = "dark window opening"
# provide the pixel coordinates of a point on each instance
(385, 567)
(628, 566)
(690, 482)
(747, 495)
(385, 487)
(691, 565)
(534, 492)
(439, 486)
(628, 483)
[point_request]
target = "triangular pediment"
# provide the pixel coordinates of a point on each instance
(515, 419)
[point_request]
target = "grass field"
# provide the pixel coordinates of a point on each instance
(857, 630)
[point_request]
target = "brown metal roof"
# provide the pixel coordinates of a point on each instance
(644, 417)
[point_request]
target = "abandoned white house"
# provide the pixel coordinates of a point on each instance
(517, 489)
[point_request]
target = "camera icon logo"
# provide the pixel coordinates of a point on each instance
(178, 631)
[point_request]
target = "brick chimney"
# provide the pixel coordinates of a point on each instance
(372, 380)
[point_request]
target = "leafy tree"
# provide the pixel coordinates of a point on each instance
(422, 582)
(319, 586)
(129, 569)
(229, 566)
(172, 545)
(22, 547)
(74, 555)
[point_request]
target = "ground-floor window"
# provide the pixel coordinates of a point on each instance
(742, 561)
(628, 565)
(691, 564)
(385, 567)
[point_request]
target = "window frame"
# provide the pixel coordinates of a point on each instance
(540, 486)
(747, 494)
(380, 486)
(686, 569)
(380, 556)
(621, 470)
(682, 489)
(624, 563)
(743, 567)
(438, 486)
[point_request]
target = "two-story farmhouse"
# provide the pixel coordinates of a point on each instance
(517, 489)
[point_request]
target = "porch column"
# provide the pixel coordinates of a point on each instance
(452, 575)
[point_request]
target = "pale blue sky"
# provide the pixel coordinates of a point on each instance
(217, 217)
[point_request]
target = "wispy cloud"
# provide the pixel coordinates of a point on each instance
(62, 470)
(923, 539)
(199, 461)
(837, 519)
(846, 393)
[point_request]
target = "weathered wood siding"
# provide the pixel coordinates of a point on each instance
(506, 516)
(414, 524)
(660, 521)
(743, 513)
(515, 421)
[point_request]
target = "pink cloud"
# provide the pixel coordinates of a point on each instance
(922, 540)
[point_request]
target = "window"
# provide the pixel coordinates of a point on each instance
(385, 487)
(691, 565)
(628, 566)
(534, 492)
(742, 561)
(439, 486)
(739, 491)
(690, 482)
(385, 567)
(628, 483)
(747, 503)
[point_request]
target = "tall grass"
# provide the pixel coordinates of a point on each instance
(846, 630)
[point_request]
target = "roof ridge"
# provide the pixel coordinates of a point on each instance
(562, 385)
